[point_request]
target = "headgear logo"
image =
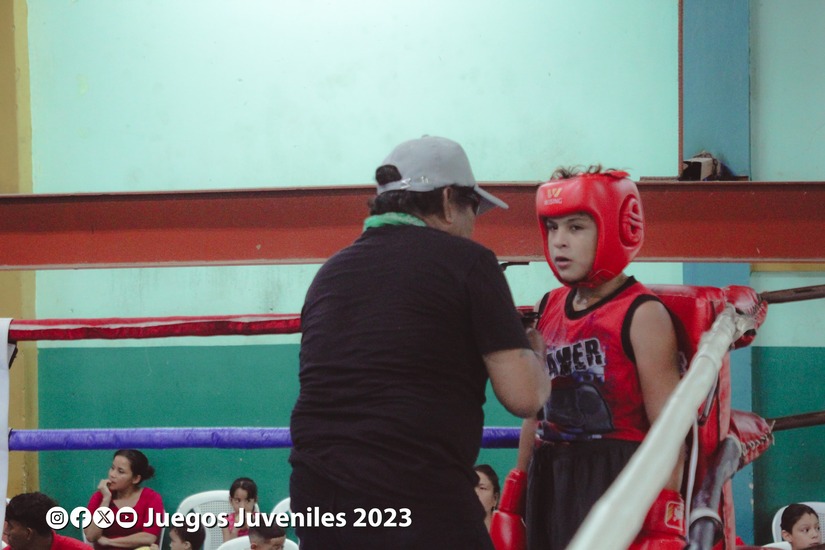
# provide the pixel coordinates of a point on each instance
(553, 196)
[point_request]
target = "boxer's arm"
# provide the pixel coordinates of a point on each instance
(657, 359)
(519, 380)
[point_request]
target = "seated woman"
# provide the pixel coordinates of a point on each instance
(122, 489)
(488, 490)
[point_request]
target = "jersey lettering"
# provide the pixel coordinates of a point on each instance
(577, 358)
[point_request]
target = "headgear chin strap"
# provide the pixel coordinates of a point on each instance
(613, 201)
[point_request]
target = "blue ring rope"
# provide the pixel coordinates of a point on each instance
(183, 438)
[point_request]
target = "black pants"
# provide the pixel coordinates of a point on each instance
(564, 482)
(422, 527)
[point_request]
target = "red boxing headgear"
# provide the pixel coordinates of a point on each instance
(613, 201)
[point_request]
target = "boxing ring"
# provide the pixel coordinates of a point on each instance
(109, 237)
(636, 484)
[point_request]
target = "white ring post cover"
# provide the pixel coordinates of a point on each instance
(6, 353)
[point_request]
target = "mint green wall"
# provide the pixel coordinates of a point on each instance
(219, 94)
(194, 94)
(788, 144)
(787, 75)
(212, 93)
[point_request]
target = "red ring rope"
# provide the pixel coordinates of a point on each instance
(153, 327)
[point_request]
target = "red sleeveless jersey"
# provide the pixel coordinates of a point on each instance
(596, 392)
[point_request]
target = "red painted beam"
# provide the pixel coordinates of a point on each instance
(686, 221)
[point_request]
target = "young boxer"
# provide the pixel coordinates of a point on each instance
(612, 354)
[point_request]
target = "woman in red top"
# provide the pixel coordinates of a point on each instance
(122, 490)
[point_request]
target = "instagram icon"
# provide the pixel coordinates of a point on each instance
(57, 518)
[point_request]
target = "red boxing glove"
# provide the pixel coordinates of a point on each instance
(747, 302)
(507, 527)
(664, 526)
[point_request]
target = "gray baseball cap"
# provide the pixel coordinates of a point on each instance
(431, 162)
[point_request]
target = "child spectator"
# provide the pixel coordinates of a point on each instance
(243, 495)
(800, 526)
(264, 537)
(488, 490)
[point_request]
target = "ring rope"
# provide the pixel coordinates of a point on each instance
(116, 328)
(180, 438)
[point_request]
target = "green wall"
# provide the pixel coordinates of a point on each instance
(171, 386)
(790, 382)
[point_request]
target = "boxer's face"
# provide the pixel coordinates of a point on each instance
(805, 532)
(572, 243)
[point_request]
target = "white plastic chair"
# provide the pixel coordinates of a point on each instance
(776, 529)
(215, 502)
(240, 543)
(783, 544)
(282, 506)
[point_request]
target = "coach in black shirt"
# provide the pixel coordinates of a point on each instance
(401, 331)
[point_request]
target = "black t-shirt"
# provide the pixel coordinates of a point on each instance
(392, 376)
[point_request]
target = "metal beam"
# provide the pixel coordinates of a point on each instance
(686, 221)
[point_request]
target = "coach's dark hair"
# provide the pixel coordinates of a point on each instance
(31, 510)
(420, 203)
(138, 462)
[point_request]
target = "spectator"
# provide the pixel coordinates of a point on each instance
(122, 488)
(26, 528)
(243, 495)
